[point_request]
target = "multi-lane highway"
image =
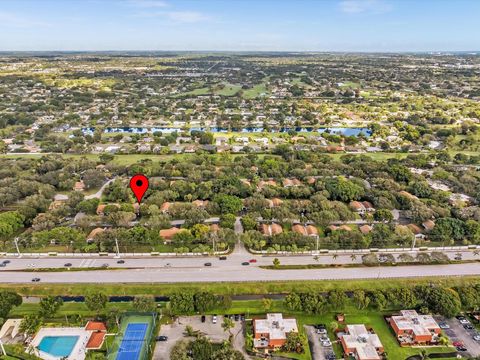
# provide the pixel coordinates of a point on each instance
(181, 269)
(236, 273)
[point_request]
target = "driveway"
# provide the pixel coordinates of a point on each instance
(458, 333)
(315, 349)
(175, 332)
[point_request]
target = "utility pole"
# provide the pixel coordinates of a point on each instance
(15, 240)
(317, 243)
(118, 249)
(413, 241)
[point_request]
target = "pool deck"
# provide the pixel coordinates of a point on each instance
(79, 350)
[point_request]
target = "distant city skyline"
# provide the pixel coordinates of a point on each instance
(242, 25)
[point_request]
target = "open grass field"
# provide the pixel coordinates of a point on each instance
(277, 287)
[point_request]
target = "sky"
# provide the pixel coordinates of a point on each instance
(240, 25)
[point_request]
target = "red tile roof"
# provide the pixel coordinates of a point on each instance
(95, 326)
(96, 340)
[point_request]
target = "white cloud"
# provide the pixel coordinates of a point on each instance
(365, 6)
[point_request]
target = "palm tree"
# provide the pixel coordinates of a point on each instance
(316, 258)
(334, 256)
(476, 252)
(353, 257)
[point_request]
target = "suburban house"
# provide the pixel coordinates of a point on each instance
(361, 207)
(79, 186)
(270, 229)
(361, 343)
(412, 328)
(271, 333)
(167, 234)
(305, 230)
(93, 233)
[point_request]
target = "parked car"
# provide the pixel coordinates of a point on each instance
(245, 263)
(237, 317)
(326, 343)
(460, 317)
(222, 258)
(203, 318)
(457, 343)
(214, 319)
(252, 260)
(443, 325)
(468, 326)
(208, 264)
(476, 337)
(461, 348)
(242, 317)
(464, 321)
(161, 338)
(36, 279)
(121, 262)
(330, 356)
(68, 265)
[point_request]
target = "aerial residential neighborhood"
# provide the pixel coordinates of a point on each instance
(239, 180)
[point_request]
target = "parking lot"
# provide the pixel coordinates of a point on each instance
(457, 333)
(318, 351)
(176, 332)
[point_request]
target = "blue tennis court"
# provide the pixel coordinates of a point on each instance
(132, 342)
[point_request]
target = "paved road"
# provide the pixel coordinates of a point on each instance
(237, 273)
(99, 193)
(239, 255)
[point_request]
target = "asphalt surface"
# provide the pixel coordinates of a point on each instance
(237, 273)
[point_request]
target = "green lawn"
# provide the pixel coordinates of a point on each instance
(228, 90)
(255, 91)
(219, 288)
(70, 308)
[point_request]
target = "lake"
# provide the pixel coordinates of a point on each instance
(167, 130)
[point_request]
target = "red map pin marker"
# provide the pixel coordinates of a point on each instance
(139, 186)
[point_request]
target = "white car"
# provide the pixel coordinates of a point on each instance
(326, 343)
(464, 321)
(476, 337)
(214, 319)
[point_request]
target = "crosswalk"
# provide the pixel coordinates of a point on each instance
(87, 263)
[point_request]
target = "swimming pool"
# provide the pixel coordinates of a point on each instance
(60, 346)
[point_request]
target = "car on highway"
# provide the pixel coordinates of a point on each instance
(245, 263)
(6, 261)
(207, 264)
(203, 318)
(168, 265)
(105, 265)
(252, 260)
(3, 265)
(214, 318)
(458, 257)
(36, 279)
(222, 258)
(67, 264)
(161, 338)
(121, 262)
